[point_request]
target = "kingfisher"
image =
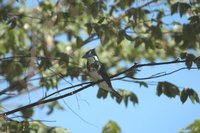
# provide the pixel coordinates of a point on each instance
(97, 72)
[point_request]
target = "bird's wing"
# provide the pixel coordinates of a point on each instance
(106, 78)
(104, 75)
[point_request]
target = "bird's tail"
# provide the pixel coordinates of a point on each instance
(115, 93)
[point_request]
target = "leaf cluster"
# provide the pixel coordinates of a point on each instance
(171, 91)
(32, 55)
(13, 126)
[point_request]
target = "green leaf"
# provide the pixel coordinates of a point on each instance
(178, 37)
(89, 28)
(134, 98)
(13, 126)
(63, 58)
(95, 9)
(125, 100)
(156, 32)
(168, 89)
(189, 60)
(192, 128)
(120, 37)
(180, 7)
(193, 95)
(127, 96)
(197, 62)
(174, 8)
(194, 19)
(101, 19)
(45, 63)
(20, 85)
(142, 83)
(102, 93)
(159, 89)
(27, 113)
(183, 8)
(111, 127)
(183, 95)
(79, 41)
(183, 55)
(148, 43)
(52, 106)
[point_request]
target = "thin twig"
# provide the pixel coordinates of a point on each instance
(42, 101)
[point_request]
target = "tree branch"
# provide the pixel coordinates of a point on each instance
(155, 75)
(42, 101)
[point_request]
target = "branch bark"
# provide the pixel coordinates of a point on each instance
(43, 101)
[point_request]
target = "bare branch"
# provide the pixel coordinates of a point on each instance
(159, 74)
(43, 101)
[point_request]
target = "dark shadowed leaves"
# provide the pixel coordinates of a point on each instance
(120, 37)
(148, 43)
(171, 90)
(180, 7)
(137, 14)
(52, 106)
(44, 63)
(128, 96)
(48, 83)
(159, 89)
(63, 58)
(193, 96)
(183, 8)
(174, 8)
(197, 62)
(102, 93)
(79, 42)
(142, 83)
(189, 60)
(184, 95)
(73, 72)
(27, 113)
(194, 19)
(12, 126)
(168, 89)
(183, 55)
(156, 32)
(188, 92)
(96, 8)
(89, 28)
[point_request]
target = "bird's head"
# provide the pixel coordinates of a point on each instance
(89, 54)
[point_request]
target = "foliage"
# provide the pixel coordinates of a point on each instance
(11, 126)
(128, 96)
(111, 127)
(192, 128)
(33, 57)
(172, 91)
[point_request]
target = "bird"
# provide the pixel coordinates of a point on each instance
(97, 72)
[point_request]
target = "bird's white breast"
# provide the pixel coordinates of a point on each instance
(95, 77)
